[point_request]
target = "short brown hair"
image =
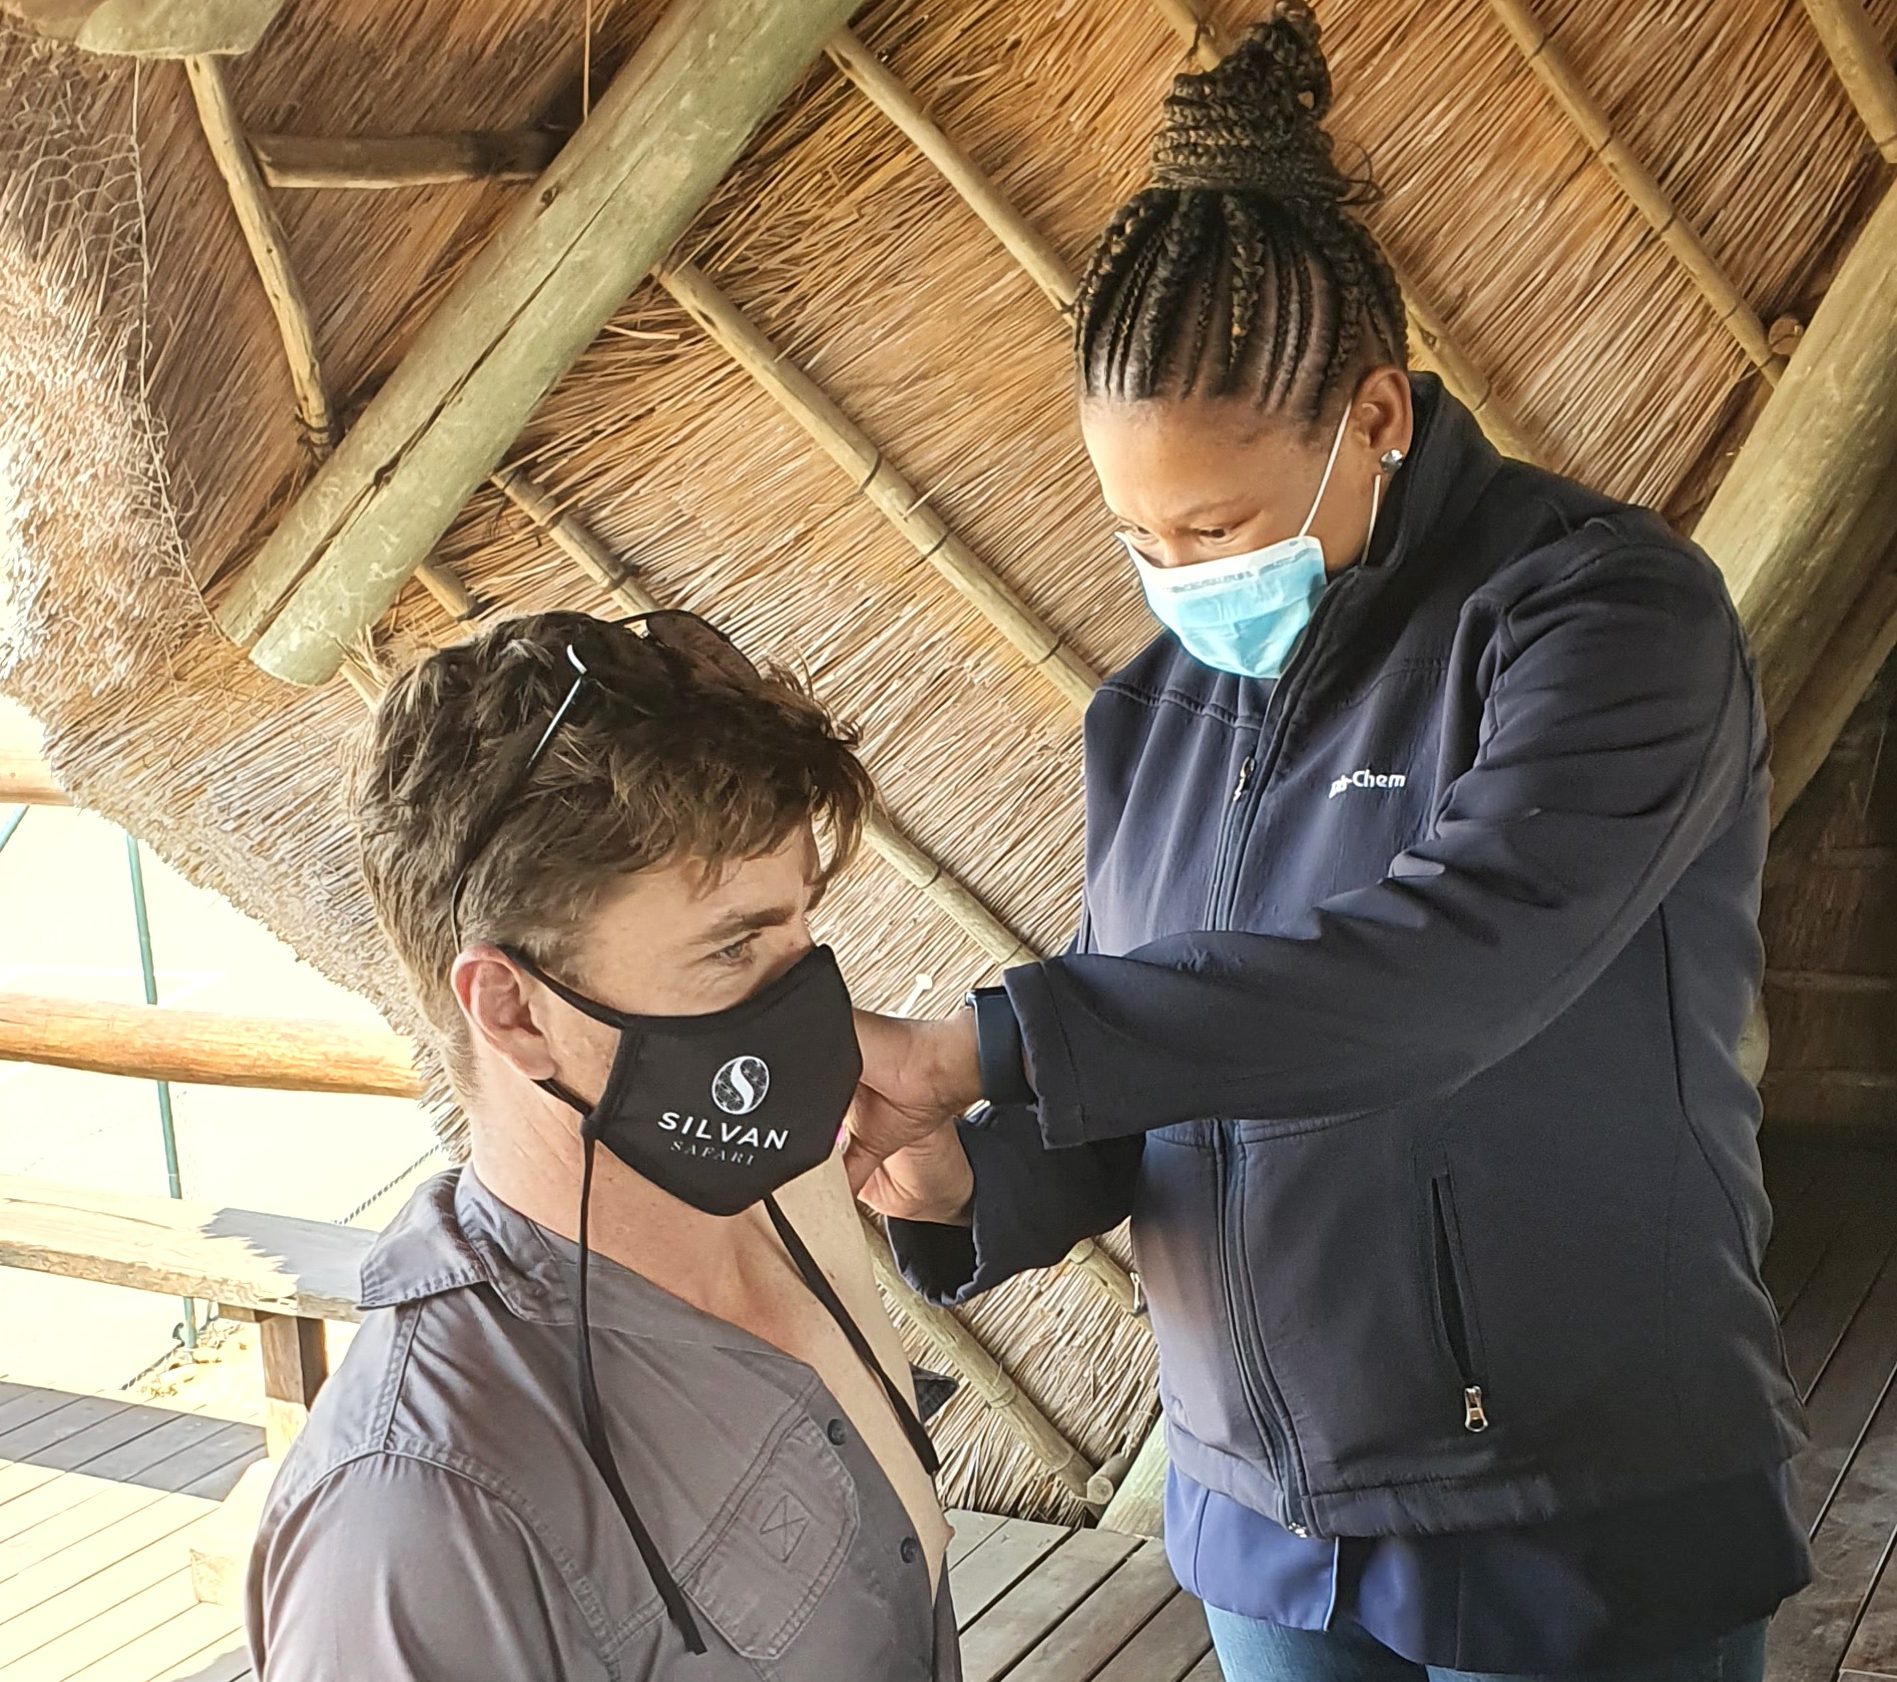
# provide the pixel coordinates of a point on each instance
(660, 759)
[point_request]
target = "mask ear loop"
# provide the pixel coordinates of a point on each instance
(1330, 467)
(596, 1444)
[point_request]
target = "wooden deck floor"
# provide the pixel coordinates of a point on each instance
(97, 1495)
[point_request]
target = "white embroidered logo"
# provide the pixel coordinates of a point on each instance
(739, 1087)
(1366, 778)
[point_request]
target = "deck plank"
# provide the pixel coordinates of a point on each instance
(116, 1626)
(209, 1467)
(998, 1562)
(163, 1650)
(1873, 1648)
(216, 1663)
(971, 1528)
(1807, 1228)
(1109, 1631)
(997, 1640)
(1857, 1524)
(1845, 1275)
(1174, 1645)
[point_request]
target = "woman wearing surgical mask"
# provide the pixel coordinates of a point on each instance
(1423, 853)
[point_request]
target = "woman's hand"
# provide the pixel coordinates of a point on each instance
(930, 1181)
(918, 1076)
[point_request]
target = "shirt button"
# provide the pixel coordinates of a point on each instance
(911, 1550)
(836, 1433)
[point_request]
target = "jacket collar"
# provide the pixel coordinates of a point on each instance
(1450, 466)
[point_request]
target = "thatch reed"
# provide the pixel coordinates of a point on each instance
(139, 357)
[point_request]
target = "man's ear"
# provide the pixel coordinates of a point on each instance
(497, 998)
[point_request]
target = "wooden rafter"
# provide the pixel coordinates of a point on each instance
(1806, 516)
(151, 30)
(899, 501)
(1857, 53)
(617, 196)
(1558, 75)
(375, 162)
(263, 234)
(890, 95)
(1438, 346)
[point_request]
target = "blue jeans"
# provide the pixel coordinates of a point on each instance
(1251, 1651)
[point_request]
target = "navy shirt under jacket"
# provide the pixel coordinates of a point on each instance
(1622, 1586)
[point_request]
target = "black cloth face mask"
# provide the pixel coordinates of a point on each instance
(721, 1110)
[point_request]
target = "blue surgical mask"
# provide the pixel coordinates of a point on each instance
(1244, 613)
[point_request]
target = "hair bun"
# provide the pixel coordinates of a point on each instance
(1254, 122)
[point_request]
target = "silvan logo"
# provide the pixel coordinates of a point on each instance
(739, 1087)
(1366, 778)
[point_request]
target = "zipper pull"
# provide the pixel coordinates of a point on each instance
(1474, 1416)
(1244, 780)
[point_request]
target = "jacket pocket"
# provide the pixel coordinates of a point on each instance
(1455, 1317)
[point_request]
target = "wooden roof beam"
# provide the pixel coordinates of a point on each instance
(899, 502)
(1806, 517)
(27, 780)
(618, 195)
(1438, 347)
(151, 28)
(891, 96)
(381, 161)
(1863, 67)
(1558, 75)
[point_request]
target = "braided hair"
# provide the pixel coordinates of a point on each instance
(1241, 271)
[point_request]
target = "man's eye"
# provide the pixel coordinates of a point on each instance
(736, 952)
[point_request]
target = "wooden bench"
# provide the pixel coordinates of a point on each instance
(287, 1275)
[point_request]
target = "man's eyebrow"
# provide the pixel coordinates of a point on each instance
(736, 923)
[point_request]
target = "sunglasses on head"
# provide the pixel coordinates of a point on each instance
(672, 630)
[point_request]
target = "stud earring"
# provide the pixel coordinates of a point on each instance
(1390, 460)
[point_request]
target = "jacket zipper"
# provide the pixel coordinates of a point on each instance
(1454, 1311)
(1268, 1414)
(1257, 770)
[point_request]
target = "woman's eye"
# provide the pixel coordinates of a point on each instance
(1215, 534)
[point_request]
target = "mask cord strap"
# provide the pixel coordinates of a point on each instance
(596, 1445)
(820, 1288)
(1330, 467)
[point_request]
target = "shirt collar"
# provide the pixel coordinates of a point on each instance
(455, 1233)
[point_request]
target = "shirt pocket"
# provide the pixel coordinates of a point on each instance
(778, 1546)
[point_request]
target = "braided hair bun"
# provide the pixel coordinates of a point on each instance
(1242, 269)
(1254, 123)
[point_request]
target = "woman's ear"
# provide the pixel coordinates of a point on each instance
(1384, 410)
(497, 998)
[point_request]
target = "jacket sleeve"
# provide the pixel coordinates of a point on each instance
(1032, 1204)
(1617, 738)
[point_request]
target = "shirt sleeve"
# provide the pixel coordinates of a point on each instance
(407, 1571)
(1620, 734)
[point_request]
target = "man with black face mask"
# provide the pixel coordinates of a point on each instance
(625, 1402)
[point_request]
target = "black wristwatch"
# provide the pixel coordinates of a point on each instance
(998, 1047)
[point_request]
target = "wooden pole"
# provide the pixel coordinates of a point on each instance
(1438, 347)
(588, 551)
(1558, 75)
(378, 161)
(900, 503)
(614, 200)
(1862, 65)
(958, 1347)
(27, 780)
(892, 97)
(263, 233)
(204, 1048)
(1138, 1504)
(924, 872)
(144, 29)
(1824, 704)
(1807, 514)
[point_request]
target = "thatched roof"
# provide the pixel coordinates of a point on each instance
(149, 437)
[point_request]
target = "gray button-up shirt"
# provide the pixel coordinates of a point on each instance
(440, 1516)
